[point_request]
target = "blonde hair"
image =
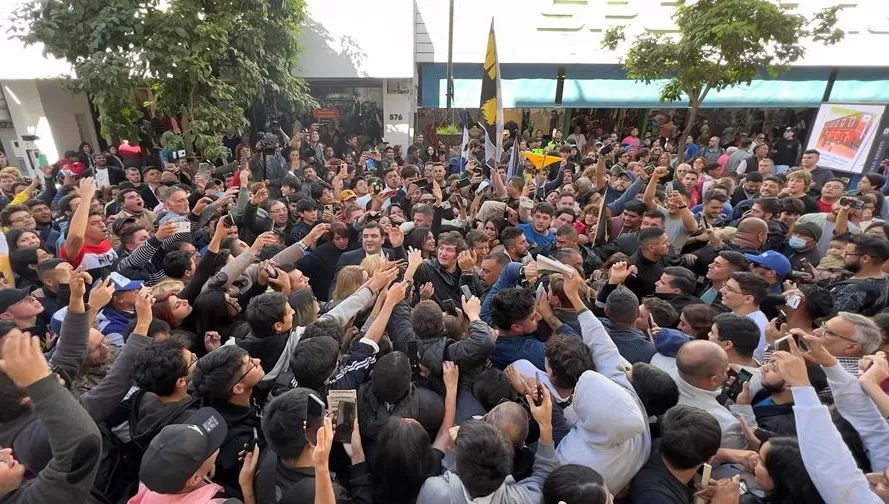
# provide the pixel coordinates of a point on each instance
(371, 263)
(801, 174)
(348, 280)
(168, 286)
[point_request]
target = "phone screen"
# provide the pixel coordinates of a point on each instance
(466, 292)
(314, 418)
(413, 353)
(345, 418)
(538, 394)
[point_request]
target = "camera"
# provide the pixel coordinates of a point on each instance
(268, 144)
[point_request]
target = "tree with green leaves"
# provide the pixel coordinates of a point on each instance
(204, 61)
(719, 44)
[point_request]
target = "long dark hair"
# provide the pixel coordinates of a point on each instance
(574, 484)
(416, 238)
(785, 466)
(211, 311)
(402, 461)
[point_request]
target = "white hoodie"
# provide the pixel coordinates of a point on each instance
(611, 434)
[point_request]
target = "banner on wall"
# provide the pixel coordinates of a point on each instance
(844, 135)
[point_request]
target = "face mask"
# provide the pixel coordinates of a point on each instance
(796, 242)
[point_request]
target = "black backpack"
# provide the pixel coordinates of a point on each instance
(118, 477)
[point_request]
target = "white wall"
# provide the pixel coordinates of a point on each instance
(549, 32)
(61, 108)
(28, 116)
(357, 38)
(398, 117)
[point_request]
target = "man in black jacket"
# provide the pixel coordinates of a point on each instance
(225, 379)
(320, 264)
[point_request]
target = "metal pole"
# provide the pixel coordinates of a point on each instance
(450, 70)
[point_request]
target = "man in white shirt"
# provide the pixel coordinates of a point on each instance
(577, 139)
(742, 293)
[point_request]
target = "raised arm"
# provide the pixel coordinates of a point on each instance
(605, 353)
(79, 221)
(73, 436)
(651, 188)
(73, 345)
(451, 375)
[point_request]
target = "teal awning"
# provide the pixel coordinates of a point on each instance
(861, 85)
(607, 86)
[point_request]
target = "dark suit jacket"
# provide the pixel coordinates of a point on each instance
(354, 258)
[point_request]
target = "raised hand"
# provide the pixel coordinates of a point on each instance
(144, 300)
(620, 271)
(451, 375)
(78, 283)
(466, 260)
(321, 453)
(23, 361)
(427, 291)
(86, 189)
(383, 277)
(166, 230)
(101, 294)
(267, 238)
(316, 233)
(472, 307)
(259, 197)
(396, 236)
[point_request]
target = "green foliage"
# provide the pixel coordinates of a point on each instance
(203, 60)
(721, 43)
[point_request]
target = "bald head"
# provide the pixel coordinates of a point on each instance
(510, 419)
(753, 226)
(702, 363)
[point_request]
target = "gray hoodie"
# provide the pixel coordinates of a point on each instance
(75, 443)
(448, 489)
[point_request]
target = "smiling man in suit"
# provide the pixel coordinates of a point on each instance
(372, 244)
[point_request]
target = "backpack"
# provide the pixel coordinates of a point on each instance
(265, 482)
(117, 479)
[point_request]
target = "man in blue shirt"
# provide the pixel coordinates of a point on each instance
(537, 231)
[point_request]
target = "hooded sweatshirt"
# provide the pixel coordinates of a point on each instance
(203, 495)
(610, 440)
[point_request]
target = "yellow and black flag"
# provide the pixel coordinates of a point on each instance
(491, 107)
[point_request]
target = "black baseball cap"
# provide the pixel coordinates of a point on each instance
(178, 450)
(9, 297)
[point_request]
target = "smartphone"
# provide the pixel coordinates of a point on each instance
(449, 306)
(735, 388)
(649, 169)
(376, 187)
(315, 411)
(853, 203)
(538, 394)
(606, 149)
(541, 291)
(273, 273)
(183, 226)
(706, 469)
(252, 444)
(373, 217)
(464, 182)
(668, 187)
(228, 220)
(783, 344)
(413, 354)
(793, 301)
(466, 292)
(203, 169)
(781, 318)
(651, 324)
(424, 184)
(345, 421)
(484, 185)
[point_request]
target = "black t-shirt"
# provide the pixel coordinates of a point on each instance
(654, 484)
(810, 204)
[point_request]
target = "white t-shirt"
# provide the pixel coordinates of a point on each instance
(761, 321)
(675, 229)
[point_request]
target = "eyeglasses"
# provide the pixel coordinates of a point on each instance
(825, 331)
(194, 360)
(253, 365)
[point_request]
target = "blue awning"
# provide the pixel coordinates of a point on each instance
(607, 86)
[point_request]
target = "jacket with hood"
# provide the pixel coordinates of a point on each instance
(469, 354)
(615, 441)
(449, 487)
(667, 345)
(75, 445)
(206, 494)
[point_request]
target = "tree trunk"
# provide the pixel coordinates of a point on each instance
(693, 106)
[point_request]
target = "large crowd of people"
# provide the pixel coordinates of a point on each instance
(635, 322)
